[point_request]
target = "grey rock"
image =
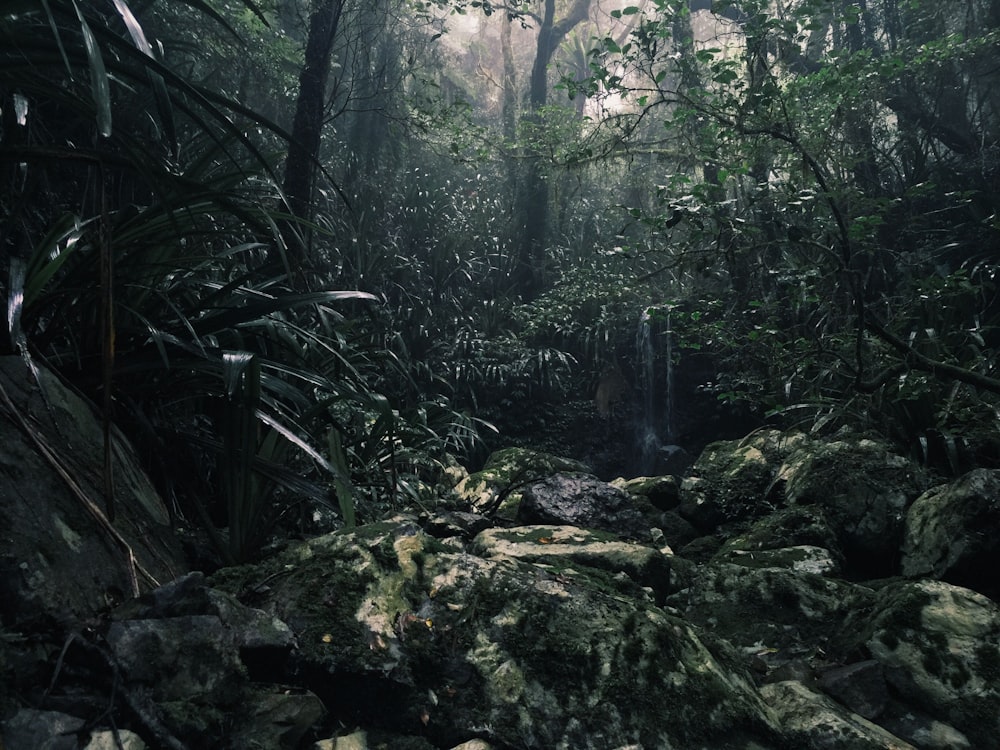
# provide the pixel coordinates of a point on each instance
(58, 557)
(527, 653)
(860, 686)
(277, 718)
(815, 722)
(952, 532)
(801, 559)
(123, 739)
(939, 646)
(569, 550)
(30, 729)
(662, 492)
(581, 500)
(863, 489)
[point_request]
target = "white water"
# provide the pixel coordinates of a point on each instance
(651, 433)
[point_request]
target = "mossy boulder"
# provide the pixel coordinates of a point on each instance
(952, 532)
(812, 721)
(939, 646)
(732, 480)
(863, 489)
(498, 486)
(406, 635)
(794, 527)
(604, 560)
(576, 499)
(776, 613)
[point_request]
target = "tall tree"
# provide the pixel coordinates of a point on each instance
(307, 127)
(534, 208)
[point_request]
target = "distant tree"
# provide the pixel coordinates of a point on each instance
(850, 174)
(535, 198)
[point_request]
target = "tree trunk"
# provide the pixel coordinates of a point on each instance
(307, 127)
(534, 209)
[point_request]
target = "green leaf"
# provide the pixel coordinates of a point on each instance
(725, 76)
(341, 483)
(99, 82)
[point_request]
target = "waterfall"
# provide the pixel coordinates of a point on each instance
(655, 427)
(647, 438)
(668, 407)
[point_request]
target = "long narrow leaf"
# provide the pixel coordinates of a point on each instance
(159, 86)
(99, 82)
(341, 483)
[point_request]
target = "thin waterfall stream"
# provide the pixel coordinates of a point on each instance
(655, 427)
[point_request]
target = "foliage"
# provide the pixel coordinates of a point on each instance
(211, 359)
(841, 208)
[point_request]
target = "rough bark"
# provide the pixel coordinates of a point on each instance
(307, 127)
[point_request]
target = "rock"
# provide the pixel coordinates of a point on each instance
(923, 731)
(435, 629)
(30, 729)
(677, 532)
(582, 500)
(454, 523)
(801, 559)
(814, 722)
(567, 550)
(109, 740)
(863, 490)
(374, 740)
(191, 650)
(701, 505)
(497, 488)
(662, 492)
(861, 687)
(939, 646)
(157, 654)
(952, 532)
(406, 636)
(775, 615)
(734, 478)
(799, 525)
(276, 717)
(59, 557)
(353, 741)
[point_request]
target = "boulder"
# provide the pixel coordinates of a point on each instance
(863, 489)
(569, 551)
(796, 526)
(939, 647)
(62, 559)
(814, 722)
(952, 532)
(31, 729)
(661, 492)
(497, 487)
(732, 480)
(408, 636)
(775, 615)
(800, 559)
(582, 500)
(860, 686)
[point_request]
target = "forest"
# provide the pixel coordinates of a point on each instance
(315, 250)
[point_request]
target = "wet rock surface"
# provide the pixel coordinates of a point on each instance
(534, 606)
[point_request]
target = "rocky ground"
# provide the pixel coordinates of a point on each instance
(785, 593)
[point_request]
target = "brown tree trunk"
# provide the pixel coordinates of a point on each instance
(307, 127)
(535, 196)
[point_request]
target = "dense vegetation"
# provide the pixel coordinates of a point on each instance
(309, 248)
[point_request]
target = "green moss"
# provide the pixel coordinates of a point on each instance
(902, 615)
